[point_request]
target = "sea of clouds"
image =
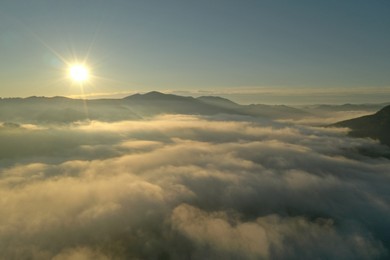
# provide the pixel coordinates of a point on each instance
(189, 187)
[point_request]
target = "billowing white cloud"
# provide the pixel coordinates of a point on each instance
(177, 187)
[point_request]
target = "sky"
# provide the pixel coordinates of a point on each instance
(250, 51)
(125, 180)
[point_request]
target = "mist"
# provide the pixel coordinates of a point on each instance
(191, 187)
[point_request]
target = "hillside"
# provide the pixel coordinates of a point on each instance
(376, 126)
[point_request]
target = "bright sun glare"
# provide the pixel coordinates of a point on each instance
(79, 73)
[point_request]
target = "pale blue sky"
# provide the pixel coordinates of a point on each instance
(254, 51)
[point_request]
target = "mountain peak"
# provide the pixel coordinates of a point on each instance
(155, 95)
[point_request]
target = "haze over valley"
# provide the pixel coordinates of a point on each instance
(164, 176)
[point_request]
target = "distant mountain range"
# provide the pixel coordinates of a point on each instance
(65, 110)
(376, 126)
(14, 111)
(346, 107)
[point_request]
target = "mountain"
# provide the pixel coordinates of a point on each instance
(205, 105)
(154, 103)
(65, 110)
(218, 101)
(61, 110)
(274, 111)
(346, 107)
(376, 126)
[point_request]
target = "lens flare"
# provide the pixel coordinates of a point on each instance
(79, 73)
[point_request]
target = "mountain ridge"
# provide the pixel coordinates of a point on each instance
(376, 126)
(136, 106)
(60, 109)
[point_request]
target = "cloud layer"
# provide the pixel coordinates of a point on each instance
(184, 187)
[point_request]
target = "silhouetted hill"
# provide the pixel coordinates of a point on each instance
(154, 102)
(274, 111)
(206, 105)
(65, 110)
(62, 110)
(376, 126)
(218, 101)
(258, 110)
(157, 96)
(348, 107)
(334, 110)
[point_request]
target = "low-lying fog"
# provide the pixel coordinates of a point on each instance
(191, 187)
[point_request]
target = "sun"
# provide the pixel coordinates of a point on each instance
(79, 73)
